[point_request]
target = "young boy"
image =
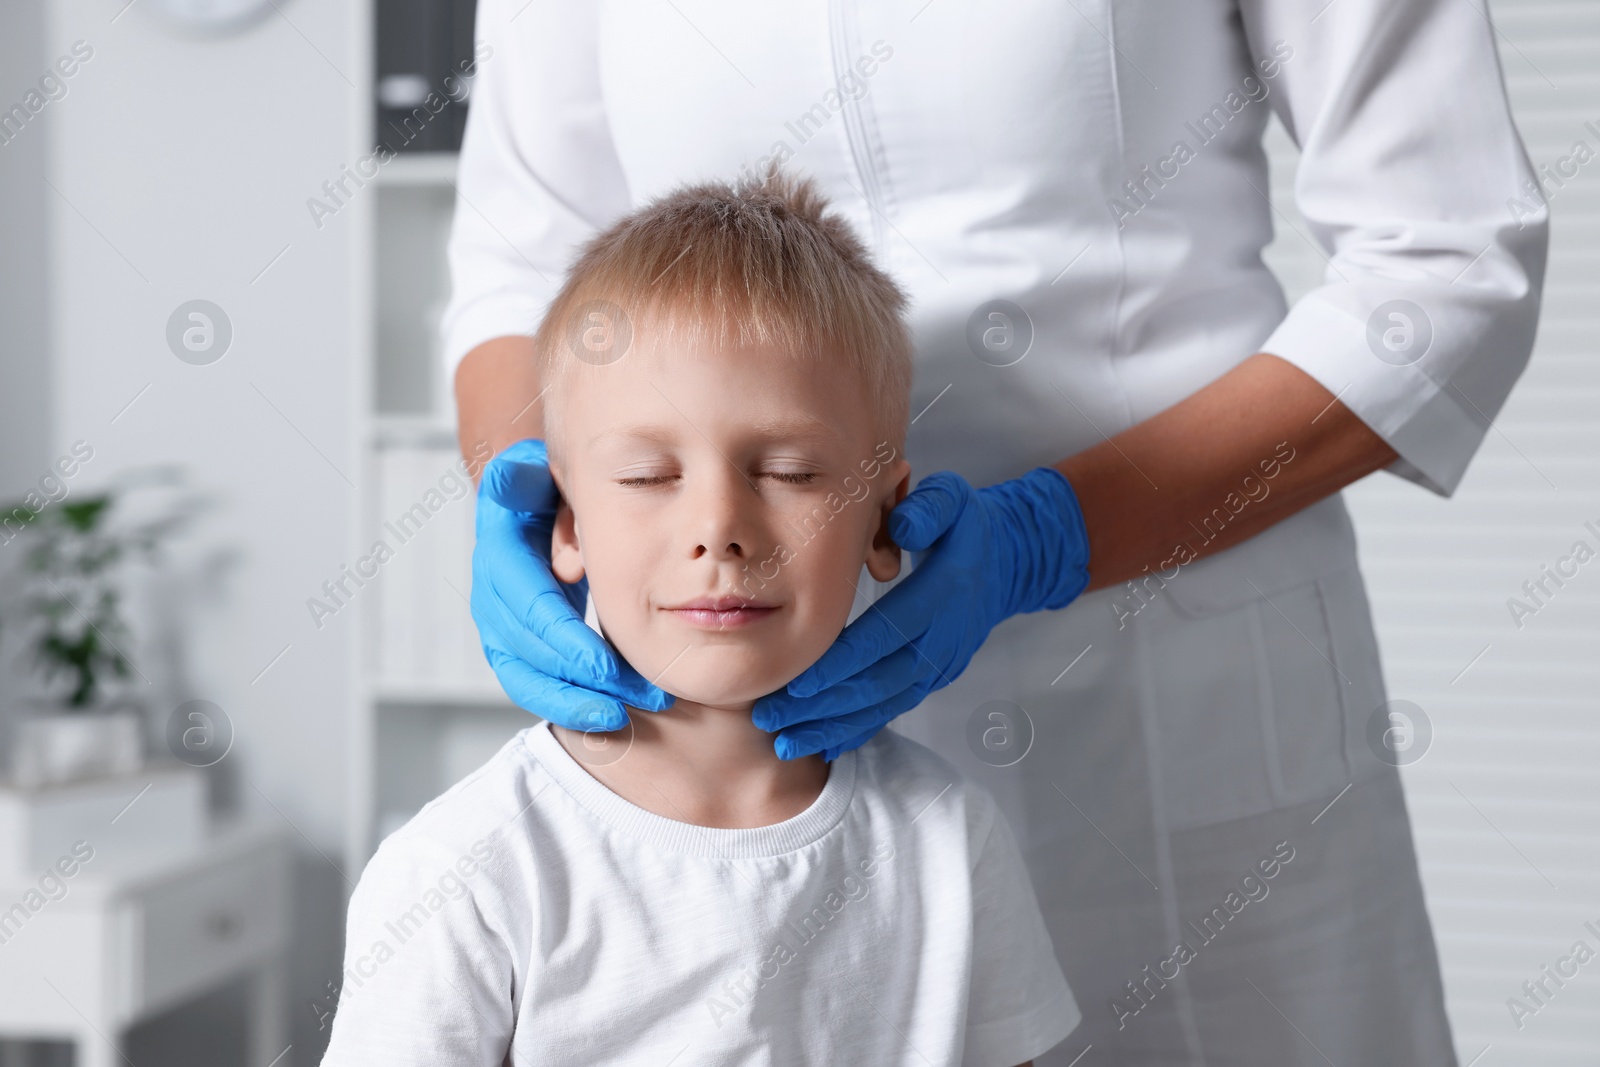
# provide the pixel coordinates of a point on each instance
(728, 382)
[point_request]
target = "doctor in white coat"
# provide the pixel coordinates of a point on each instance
(1196, 753)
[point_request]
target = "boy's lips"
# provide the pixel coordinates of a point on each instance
(722, 613)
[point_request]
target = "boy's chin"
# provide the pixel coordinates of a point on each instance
(724, 676)
(721, 693)
(719, 699)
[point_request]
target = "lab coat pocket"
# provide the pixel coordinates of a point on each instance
(1318, 540)
(1254, 704)
(1323, 679)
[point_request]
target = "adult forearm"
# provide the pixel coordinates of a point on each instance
(497, 397)
(1156, 487)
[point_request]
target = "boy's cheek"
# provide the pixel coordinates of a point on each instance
(826, 573)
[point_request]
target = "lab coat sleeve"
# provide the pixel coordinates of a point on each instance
(538, 174)
(1414, 182)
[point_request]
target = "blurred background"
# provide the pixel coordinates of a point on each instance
(221, 274)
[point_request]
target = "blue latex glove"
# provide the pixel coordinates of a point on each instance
(531, 623)
(981, 556)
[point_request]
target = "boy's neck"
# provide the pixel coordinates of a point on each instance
(695, 763)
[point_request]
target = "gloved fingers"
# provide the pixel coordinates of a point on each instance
(638, 691)
(532, 655)
(577, 595)
(551, 698)
(929, 510)
(944, 652)
(879, 681)
(520, 531)
(804, 738)
(525, 611)
(530, 622)
(506, 538)
(518, 479)
(833, 752)
(550, 618)
(514, 588)
(559, 643)
(516, 571)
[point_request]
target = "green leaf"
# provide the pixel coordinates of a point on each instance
(84, 515)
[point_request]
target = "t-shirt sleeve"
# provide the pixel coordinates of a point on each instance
(428, 978)
(1020, 1005)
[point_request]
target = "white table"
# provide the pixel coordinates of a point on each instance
(133, 938)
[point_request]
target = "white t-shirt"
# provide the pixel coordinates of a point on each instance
(532, 916)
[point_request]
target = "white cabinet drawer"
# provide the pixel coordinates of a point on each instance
(190, 932)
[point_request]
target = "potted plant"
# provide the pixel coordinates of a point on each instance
(68, 605)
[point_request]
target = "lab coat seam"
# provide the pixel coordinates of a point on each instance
(1271, 753)
(854, 131)
(1161, 833)
(1338, 668)
(1114, 347)
(872, 141)
(1436, 475)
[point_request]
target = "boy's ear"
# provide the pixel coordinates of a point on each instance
(883, 557)
(566, 555)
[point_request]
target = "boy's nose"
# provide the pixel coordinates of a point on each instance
(723, 527)
(723, 534)
(731, 550)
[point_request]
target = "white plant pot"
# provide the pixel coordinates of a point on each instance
(69, 747)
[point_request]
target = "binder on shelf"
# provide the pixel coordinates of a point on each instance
(424, 48)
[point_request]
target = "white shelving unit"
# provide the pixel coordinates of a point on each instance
(432, 709)
(419, 169)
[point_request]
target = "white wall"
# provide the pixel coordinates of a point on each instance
(1506, 803)
(24, 341)
(183, 166)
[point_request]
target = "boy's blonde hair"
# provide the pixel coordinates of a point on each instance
(718, 265)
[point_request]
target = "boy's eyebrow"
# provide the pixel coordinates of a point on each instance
(801, 427)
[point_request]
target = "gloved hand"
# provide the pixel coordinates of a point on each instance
(981, 556)
(547, 658)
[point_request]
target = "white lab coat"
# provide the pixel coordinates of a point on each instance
(1029, 151)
